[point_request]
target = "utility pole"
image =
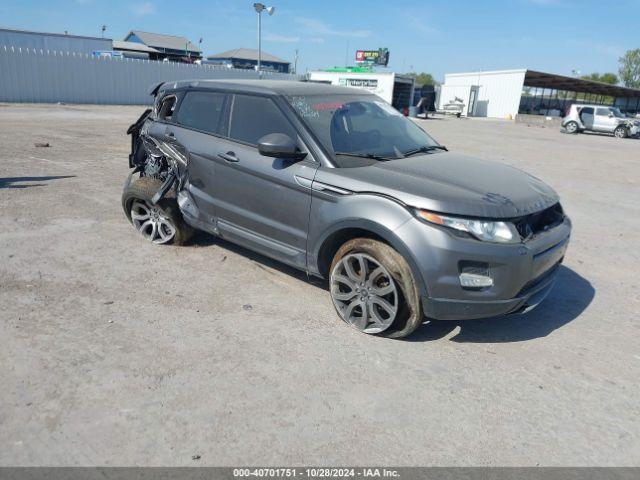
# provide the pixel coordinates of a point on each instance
(295, 62)
(346, 55)
(259, 45)
(102, 30)
(259, 7)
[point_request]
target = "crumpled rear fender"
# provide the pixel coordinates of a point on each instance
(136, 156)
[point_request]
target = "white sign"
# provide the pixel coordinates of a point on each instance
(367, 83)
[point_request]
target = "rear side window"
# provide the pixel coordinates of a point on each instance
(167, 107)
(203, 111)
(587, 110)
(254, 117)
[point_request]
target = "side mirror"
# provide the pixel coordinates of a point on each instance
(611, 115)
(279, 145)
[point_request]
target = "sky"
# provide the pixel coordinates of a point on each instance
(434, 36)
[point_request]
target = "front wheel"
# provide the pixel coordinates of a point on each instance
(373, 289)
(620, 132)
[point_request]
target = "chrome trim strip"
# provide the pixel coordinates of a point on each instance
(323, 187)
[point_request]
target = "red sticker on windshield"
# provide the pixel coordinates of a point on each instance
(327, 106)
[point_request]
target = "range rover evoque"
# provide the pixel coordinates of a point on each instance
(335, 182)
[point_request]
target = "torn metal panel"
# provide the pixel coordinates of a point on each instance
(165, 160)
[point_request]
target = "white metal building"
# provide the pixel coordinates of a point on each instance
(499, 93)
(392, 87)
(485, 94)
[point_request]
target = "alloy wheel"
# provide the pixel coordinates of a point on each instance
(364, 293)
(151, 222)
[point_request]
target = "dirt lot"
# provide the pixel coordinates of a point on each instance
(116, 352)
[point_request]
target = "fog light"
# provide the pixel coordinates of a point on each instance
(475, 280)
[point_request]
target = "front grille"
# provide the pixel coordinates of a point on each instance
(535, 223)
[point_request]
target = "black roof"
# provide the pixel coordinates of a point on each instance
(160, 40)
(273, 87)
(562, 82)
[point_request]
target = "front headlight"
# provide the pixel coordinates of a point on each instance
(486, 230)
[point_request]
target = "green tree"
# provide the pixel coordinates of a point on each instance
(630, 68)
(423, 78)
(610, 78)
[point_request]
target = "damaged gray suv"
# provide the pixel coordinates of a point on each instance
(335, 182)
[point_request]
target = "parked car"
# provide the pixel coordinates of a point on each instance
(336, 182)
(599, 118)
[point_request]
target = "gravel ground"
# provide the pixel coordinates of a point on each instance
(116, 352)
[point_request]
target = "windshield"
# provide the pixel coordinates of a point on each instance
(361, 130)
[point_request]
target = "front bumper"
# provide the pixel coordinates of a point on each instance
(523, 274)
(527, 300)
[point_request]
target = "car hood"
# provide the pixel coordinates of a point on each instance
(448, 183)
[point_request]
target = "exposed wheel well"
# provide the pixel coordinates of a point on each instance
(336, 240)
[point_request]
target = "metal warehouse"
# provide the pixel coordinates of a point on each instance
(162, 47)
(507, 93)
(59, 42)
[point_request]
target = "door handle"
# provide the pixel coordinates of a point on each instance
(229, 157)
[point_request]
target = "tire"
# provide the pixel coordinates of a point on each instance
(357, 296)
(161, 223)
(572, 127)
(621, 132)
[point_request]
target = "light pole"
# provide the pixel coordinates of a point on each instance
(104, 27)
(259, 8)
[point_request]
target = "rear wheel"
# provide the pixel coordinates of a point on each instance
(571, 127)
(373, 289)
(621, 132)
(161, 223)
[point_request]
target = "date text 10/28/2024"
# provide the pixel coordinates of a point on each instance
(315, 472)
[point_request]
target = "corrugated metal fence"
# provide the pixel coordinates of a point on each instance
(39, 76)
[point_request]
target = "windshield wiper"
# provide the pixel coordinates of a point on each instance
(425, 149)
(372, 156)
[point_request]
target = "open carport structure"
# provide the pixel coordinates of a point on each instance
(545, 93)
(506, 93)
